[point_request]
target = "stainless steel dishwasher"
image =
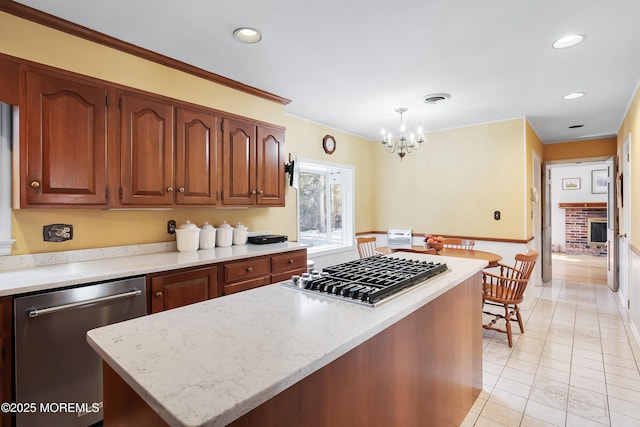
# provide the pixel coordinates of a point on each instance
(56, 372)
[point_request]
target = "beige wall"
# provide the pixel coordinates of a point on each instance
(593, 148)
(304, 139)
(631, 124)
(455, 183)
(451, 186)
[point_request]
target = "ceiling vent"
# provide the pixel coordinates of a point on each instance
(435, 98)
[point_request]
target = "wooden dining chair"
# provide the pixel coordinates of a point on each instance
(506, 289)
(366, 246)
(452, 242)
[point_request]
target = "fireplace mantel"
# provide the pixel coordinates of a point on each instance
(578, 205)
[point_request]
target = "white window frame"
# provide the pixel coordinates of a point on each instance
(348, 202)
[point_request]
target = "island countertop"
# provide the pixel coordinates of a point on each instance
(209, 363)
(19, 281)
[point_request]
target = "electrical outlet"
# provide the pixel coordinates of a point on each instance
(57, 232)
(171, 226)
(496, 215)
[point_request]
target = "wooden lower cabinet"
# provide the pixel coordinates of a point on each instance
(251, 273)
(246, 274)
(177, 289)
(285, 265)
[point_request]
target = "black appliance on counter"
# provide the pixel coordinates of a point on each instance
(266, 239)
(368, 281)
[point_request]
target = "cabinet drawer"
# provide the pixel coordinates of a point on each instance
(246, 285)
(238, 271)
(288, 261)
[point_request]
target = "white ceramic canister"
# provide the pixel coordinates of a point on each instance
(207, 236)
(240, 234)
(224, 235)
(188, 237)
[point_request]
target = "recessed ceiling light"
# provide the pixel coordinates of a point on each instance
(575, 126)
(568, 41)
(247, 35)
(574, 95)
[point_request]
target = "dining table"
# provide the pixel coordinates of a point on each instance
(490, 257)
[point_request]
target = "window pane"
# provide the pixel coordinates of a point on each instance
(325, 203)
(313, 227)
(336, 214)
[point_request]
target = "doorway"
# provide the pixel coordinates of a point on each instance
(578, 202)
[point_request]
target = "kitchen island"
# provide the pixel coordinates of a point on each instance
(275, 356)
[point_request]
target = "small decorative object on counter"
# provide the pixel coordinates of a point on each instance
(240, 234)
(224, 235)
(435, 242)
(188, 237)
(207, 236)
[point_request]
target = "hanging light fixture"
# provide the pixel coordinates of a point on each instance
(405, 142)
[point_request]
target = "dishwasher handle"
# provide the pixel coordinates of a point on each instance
(35, 312)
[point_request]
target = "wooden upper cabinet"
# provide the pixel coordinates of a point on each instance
(253, 164)
(63, 153)
(146, 157)
(196, 158)
(238, 162)
(270, 166)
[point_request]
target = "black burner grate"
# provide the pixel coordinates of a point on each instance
(371, 280)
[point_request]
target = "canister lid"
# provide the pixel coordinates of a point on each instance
(224, 225)
(207, 226)
(188, 226)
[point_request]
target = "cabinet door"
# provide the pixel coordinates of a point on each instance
(196, 158)
(146, 164)
(270, 166)
(63, 155)
(238, 165)
(172, 290)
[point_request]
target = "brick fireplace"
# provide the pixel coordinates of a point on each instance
(578, 220)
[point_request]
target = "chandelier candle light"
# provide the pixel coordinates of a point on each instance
(406, 142)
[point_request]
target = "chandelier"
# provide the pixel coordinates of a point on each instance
(404, 143)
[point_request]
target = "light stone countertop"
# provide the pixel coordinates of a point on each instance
(209, 363)
(20, 281)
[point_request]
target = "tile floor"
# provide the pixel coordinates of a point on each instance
(577, 364)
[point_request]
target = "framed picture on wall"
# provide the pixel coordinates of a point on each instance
(599, 181)
(570, 183)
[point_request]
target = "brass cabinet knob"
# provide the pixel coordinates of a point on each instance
(253, 192)
(290, 261)
(249, 269)
(260, 192)
(35, 184)
(169, 189)
(181, 189)
(158, 294)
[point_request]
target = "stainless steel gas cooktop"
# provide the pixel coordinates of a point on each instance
(368, 281)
